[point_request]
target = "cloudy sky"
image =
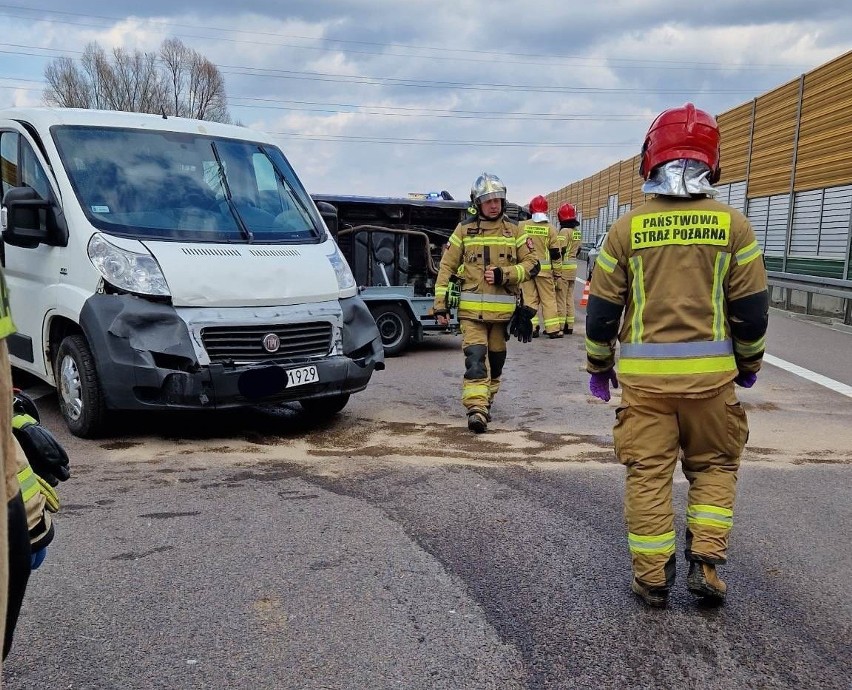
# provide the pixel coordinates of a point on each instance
(386, 97)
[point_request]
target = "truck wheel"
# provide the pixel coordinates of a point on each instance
(323, 408)
(81, 400)
(394, 326)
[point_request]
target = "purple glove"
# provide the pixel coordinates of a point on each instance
(599, 384)
(746, 379)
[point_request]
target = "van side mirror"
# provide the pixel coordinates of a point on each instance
(329, 215)
(31, 220)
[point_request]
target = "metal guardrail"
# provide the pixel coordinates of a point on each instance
(836, 288)
(832, 287)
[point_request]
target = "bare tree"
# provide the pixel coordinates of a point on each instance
(173, 54)
(175, 81)
(195, 86)
(68, 86)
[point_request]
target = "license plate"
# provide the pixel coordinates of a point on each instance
(301, 376)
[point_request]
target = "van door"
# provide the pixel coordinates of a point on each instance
(30, 273)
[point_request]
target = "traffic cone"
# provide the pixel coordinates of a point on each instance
(584, 300)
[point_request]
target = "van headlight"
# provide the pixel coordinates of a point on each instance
(126, 270)
(345, 279)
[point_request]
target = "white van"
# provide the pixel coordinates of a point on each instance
(166, 263)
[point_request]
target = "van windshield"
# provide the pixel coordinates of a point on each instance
(181, 186)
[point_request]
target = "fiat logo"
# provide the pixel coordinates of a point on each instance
(271, 342)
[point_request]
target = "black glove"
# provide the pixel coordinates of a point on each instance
(498, 275)
(520, 325)
(24, 404)
(47, 458)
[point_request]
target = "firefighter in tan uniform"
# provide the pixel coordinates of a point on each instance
(496, 259)
(686, 273)
(540, 293)
(13, 522)
(570, 240)
(562, 241)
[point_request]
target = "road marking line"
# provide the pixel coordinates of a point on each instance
(812, 376)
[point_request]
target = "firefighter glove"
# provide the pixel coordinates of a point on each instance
(520, 325)
(453, 293)
(44, 453)
(498, 275)
(599, 384)
(24, 404)
(51, 498)
(746, 379)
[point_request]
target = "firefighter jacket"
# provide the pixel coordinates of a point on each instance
(573, 240)
(689, 279)
(545, 244)
(563, 239)
(6, 446)
(477, 244)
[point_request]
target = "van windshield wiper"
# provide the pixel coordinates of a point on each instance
(293, 195)
(223, 179)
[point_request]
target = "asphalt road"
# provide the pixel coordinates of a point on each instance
(390, 548)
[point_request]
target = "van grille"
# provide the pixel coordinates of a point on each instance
(245, 343)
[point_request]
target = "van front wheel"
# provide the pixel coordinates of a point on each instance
(81, 400)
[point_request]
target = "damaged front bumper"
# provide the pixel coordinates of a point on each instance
(152, 355)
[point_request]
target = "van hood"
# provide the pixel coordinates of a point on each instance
(229, 275)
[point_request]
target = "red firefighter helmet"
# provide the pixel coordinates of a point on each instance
(683, 132)
(538, 204)
(567, 212)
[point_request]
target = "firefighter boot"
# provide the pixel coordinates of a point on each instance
(704, 582)
(536, 331)
(477, 421)
(656, 597)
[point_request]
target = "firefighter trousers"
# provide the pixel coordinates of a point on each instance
(561, 298)
(650, 435)
(539, 293)
(567, 311)
(484, 348)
